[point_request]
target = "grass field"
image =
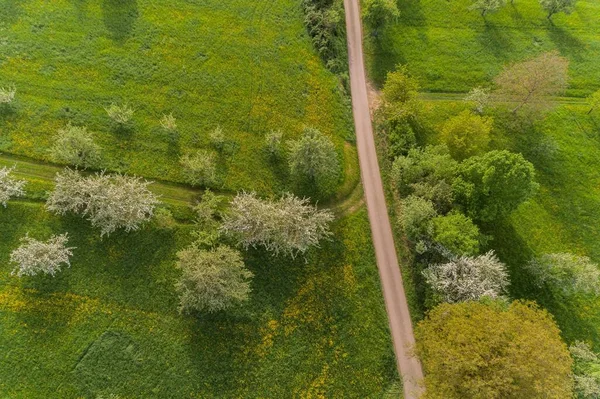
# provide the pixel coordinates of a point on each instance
(245, 66)
(452, 49)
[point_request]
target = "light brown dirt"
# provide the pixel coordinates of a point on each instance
(385, 252)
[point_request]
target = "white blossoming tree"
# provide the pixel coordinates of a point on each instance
(9, 187)
(34, 257)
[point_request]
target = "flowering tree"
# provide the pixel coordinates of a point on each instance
(566, 273)
(34, 256)
(9, 187)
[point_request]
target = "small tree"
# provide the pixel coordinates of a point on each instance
(400, 94)
(566, 273)
(289, 225)
(168, 123)
(109, 202)
(199, 168)
(217, 138)
(486, 6)
(415, 215)
(466, 134)
(212, 280)
(46, 257)
(586, 371)
(533, 82)
(378, 12)
(9, 187)
(480, 98)
(314, 160)
(7, 94)
(494, 184)
(594, 101)
(75, 145)
(468, 279)
(457, 233)
(478, 350)
(273, 143)
(121, 114)
(555, 6)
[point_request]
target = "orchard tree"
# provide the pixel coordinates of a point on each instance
(492, 185)
(480, 98)
(7, 94)
(217, 138)
(47, 257)
(109, 202)
(9, 187)
(289, 225)
(415, 215)
(199, 169)
(486, 6)
(168, 123)
(468, 278)
(75, 145)
(586, 371)
(120, 114)
(594, 101)
(456, 233)
(532, 83)
(566, 273)
(378, 12)
(493, 350)
(555, 6)
(273, 143)
(314, 160)
(211, 280)
(466, 134)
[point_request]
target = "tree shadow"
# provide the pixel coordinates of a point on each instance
(81, 7)
(495, 41)
(10, 11)
(566, 43)
(119, 18)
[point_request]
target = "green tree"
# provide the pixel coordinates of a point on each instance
(199, 168)
(74, 145)
(480, 98)
(494, 184)
(211, 280)
(456, 232)
(491, 350)
(314, 161)
(120, 114)
(486, 6)
(466, 134)
(566, 273)
(586, 371)
(555, 6)
(378, 12)
(399, 94)
(415, 215)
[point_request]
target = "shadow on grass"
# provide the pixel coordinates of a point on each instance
(566, 43)
(496, 41)
(119, 18)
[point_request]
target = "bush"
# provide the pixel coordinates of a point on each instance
(273, 143)
(377, 12)
(468, 278)
(199, 169)
(121, 114)
(586, 371)
(163, 219)
(480, 98)
(566, 274)
(109, 202)
(457, 233)
(168, 123)
(217, 138)
(34, 256)
(9, 187)
(75, 145)
(466, 134)
(211, 280)
(7, 94)
(401, 137)
(415, 215)
(494, 184)
(400, 94)
(481, 351)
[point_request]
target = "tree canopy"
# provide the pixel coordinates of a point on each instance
(9, 187)
(34, 256)
(566, 273)
(466, 134)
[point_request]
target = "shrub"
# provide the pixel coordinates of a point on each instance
(400, 94)
(211, 280)
(401, 137)
(490, 350)
(46, 257)
(586, 371)
(468, 278)
(109, 202)
(289, 225)
(494, 184)
(217, 138)
(121, 114)
(457, 233)
(199, 169)
(273, 143)
(480, 98)
(75, 145)
(9, 187)
(7, 94)
(163, 219)
(168, 123)
(466, 134)
(566, 273)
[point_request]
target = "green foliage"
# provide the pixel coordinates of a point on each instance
(566, 274)
(120, 114)
(401, 136)
(486, 6)
(555, 6)
(273, 144)
(313, 160)
(74, 145)
(481, 351)
(466, 134)
(163, 219)
(493, 185)
(199, 168)
(212, 280)
(457, 233)
(168, 123)
(586, 371)
(426, 173)
(378, 12)
(416, 213)
(594, 101)
(480, 98)
(217, 138)
(400, 94)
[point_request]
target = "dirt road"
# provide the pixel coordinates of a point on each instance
(387, 261)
